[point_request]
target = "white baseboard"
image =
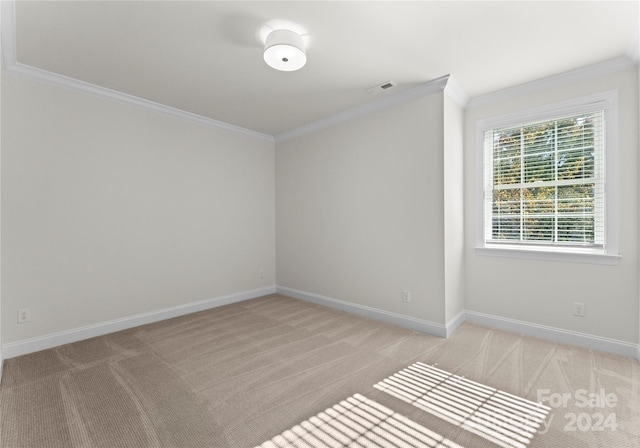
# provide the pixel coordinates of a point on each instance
(369, 312)
(454, 323)
(19, 348)
(502, 323)
(555, 334)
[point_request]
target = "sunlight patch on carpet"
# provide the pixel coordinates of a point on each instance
(359, 422)
(502, 418)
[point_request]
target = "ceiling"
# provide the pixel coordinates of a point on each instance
(205, 57)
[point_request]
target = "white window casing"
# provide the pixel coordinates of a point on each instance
(546, 182)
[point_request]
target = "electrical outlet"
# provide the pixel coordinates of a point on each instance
(578, 309)
(406, 296)
(24, 315)
(261, 274)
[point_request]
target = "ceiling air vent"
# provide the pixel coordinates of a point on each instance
(379, 88)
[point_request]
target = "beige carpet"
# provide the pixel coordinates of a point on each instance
(279, 372)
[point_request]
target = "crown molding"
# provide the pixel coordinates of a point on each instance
(602, 68)
(455, 92)
(435, 85)
(13, 67)
(75, 84)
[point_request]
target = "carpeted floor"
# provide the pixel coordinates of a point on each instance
(279, 372)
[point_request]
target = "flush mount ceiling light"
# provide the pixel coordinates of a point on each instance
(284, 50)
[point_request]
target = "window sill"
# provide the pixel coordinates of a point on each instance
(588, 256)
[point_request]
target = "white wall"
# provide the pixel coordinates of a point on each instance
(1, 356)
(110, 211)
(359, 209)
(453, 207)
(543, 292)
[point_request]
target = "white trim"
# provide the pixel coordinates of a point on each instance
(549, 255)
(600, 69)
(456, 93)
(19, 348)
(412, 323)
(588, 103)
(12, 66)
(554, 334)
(427, 88)
(454, 323)
(75, 84)
(607, 101)
(444, 331)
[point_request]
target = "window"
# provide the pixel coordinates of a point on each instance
(548, 184)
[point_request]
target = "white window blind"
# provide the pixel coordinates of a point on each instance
(544, 182)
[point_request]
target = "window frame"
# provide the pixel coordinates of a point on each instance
(605, 101)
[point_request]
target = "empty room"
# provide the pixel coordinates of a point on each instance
(319, 224)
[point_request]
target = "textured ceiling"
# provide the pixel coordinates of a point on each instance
(205, 57)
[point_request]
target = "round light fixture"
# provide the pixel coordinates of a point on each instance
(284, 51)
